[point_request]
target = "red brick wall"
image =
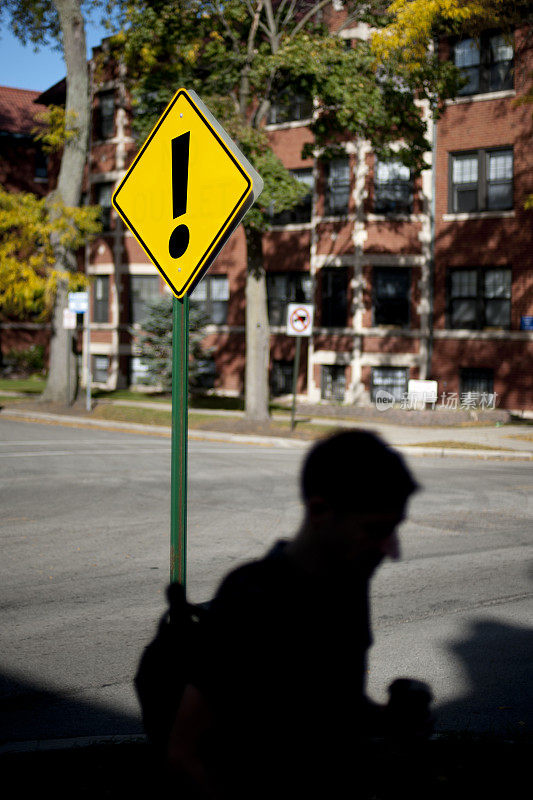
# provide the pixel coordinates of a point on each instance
(511, 362)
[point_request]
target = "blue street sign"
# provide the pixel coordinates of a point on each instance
(78, 302)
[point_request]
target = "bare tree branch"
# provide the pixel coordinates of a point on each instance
(272, 27)
(306, 17)
(234, 39)
(244, 89)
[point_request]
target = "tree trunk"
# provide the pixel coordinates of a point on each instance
(257, 332)
(69, 187)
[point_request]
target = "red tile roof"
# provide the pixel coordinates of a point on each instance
(18, 110)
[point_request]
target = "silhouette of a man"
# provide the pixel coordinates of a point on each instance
(280, 705)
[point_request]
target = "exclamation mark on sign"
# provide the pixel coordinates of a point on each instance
(179, 238)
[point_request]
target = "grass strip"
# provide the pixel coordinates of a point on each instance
(452, 445)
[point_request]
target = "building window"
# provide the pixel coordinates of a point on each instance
(211, 297)
(281, 377)
(289, 107)
(477, 380)
(334, 305)
(144, 289)
(393, 188)
(481, 181)
(389, 379)
(100, 369)
(479, 298)
(301, 212)
(338, 187)
(333, 384)
(107, 115)
(139, 375)
(391, 296)
(101, 299)
(284, 288)
(41, 164)
(104, 193)
(485, 63)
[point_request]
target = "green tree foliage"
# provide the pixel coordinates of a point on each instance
(156, 344)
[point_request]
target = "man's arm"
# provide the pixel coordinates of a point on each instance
(193, 721)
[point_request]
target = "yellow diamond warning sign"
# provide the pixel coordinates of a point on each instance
(186, 191)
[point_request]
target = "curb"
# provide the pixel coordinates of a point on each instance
(265, 441)
(45, 746)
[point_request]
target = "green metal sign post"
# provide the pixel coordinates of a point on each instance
(180, 389)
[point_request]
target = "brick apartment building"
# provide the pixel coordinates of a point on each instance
(428, 277)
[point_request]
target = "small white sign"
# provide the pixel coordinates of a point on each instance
(70, 319)
(423, 391)
(300, 319)
(78, 302)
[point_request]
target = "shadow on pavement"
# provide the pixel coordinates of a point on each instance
(460, 763)
(497, 659)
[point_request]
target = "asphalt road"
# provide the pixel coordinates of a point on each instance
(84, 533)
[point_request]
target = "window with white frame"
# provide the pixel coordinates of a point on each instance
(290, 107)
(333, 384)
(479, 298)
(477, 381)
(101, 299)
(338, 187)
(211, 297)
(144, 289)
(302, 211)
(106, 115)
(104, 193)
(393, 188)
(391, 293)
(139, 375)
(485, 63)
(481, 180)
(284, 288)
(100, 369)
(334, 297)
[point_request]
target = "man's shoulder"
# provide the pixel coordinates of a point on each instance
(256, 578)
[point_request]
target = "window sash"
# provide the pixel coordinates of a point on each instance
(334, 305)
(391, 296)
(338, 196)
(100, 369)
(393, 187)
(143, 290)
(107, 115)
(290, 108)
(481, 181)
(486, 63)
(101, 299)
(333, 383)
(303, 211)
(390, 379)
(211, 296)
(284, 288)
(477, 380)
(479, 298)
(104, 194)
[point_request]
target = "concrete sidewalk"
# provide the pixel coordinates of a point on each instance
(513, 441)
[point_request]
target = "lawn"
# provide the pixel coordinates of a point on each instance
(32, 385)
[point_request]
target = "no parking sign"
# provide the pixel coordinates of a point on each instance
(300, 319)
